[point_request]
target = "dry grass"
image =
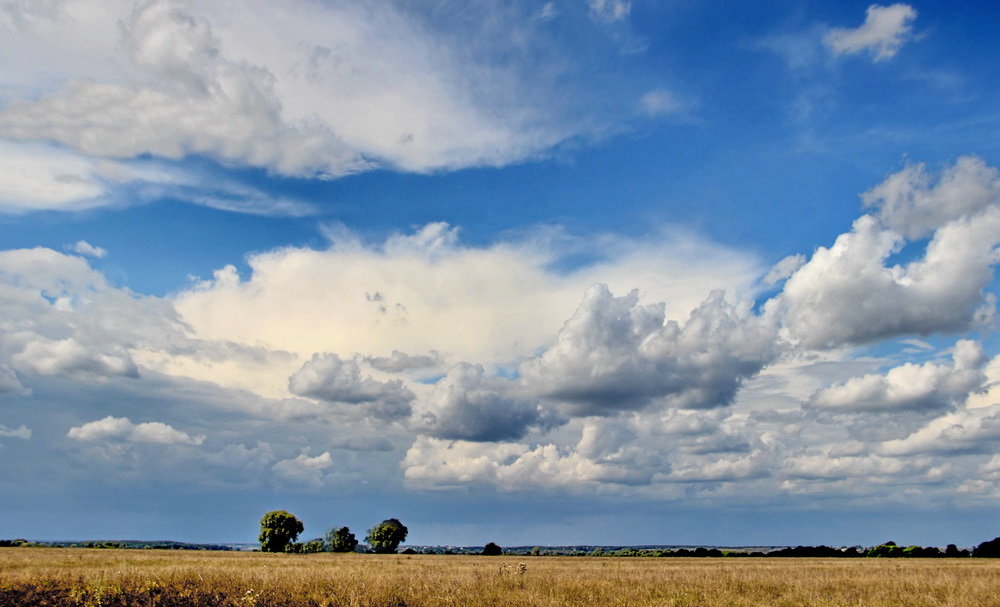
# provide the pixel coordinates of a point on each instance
(46, 576)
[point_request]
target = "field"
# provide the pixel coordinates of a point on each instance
(57, 577)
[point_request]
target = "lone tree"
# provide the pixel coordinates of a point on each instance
(278, 529)
(385, 537)
(340, 540)
(492, 549)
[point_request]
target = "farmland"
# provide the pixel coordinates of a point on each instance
(84, 577)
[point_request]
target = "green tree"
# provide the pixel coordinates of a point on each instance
(278, 529)
(340, 540)
(386, 537)
(990, 549)
(492, 549)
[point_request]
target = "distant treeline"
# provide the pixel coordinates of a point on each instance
(989, 549)
(130, 544)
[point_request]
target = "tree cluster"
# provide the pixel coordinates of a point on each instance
(279, 529)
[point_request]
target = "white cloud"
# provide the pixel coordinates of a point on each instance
(609, 10)
(39, 177)
(303, 469)
(203, 103)
(659, 102)
(326, 377)
(784, 268)
(721, 469)
(547, 12)
(962, 431)
(427, 291)
(991, 469)
(469, 405)
(942, 292)
(883, 33)
(86, 249)
(917, 344)
(510, 466)
(9, 381)
(914, 204)
(910, 386)
(614, 354)
(827, 467)
(43, 177)
(69, 357)
(14, 12)
(23, 432)
(991, 395)
(655, 391)
(410, 293)
(61, 317)
(304, 89)
(122, 429)
(398, 362)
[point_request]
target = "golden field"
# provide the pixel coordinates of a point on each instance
(73, 576)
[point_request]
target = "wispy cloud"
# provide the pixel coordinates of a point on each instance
(882, 34)
(52, 178)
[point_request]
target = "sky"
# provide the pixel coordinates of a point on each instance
(567, 272)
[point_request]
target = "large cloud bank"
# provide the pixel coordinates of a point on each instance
(426, 361)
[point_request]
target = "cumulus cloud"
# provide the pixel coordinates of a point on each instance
(427, 291)
(721, 469)
(329, 378)
(942, 292)
(122, 429)
(509, 466)
(962, 431)
(22, 432)
(827, 467)
(68, 357)
(614, 354)
(991, 469)
(914, 202)
(469, 405)
(882, 34)
(910, 386)
(307, 89)
(398, 362)
(205, 104)
(303, 469)
(61, 317)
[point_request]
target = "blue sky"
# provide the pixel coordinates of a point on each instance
(590, 271)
